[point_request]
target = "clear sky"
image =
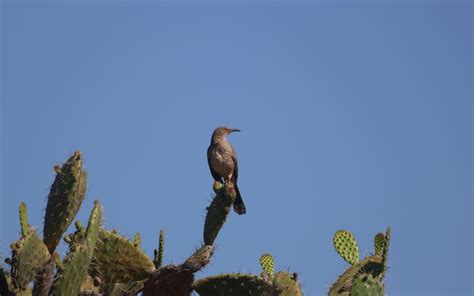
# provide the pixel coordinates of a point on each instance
(354, 115)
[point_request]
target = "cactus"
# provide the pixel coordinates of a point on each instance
(137, 240)
(218, 210)
(64, 200)
(29, 255)
(379, 244)
(346, 246)
(76, 264)
(23, 219)
(158, 259)
(102, 262)
(268, 266)
(233, 285)
(366, 285)
(118, 260)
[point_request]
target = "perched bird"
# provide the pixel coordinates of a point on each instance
(222, 161)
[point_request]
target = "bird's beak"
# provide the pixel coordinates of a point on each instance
(233, 130)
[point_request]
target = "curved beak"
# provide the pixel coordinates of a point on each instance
(233, 130)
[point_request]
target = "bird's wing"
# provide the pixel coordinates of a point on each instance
(235, 175)
(214, 174)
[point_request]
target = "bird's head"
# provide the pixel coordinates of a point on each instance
(222, 132)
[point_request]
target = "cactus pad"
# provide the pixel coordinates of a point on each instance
(346, 246)
(379, 244)
(158, 259)
(370, 265)
(233, 285)
(366, 285)
(76, 264)
(285, 284)
(218, 210)
(267, 263)
(29, 255)
(117, 260)
(64, 199)
(23, 219)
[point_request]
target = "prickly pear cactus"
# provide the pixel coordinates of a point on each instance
(285, 284)
(64, 200)
(29, 254)
(379, 244)
(366, 285)
(346, 246)
(118, 260)
(76, 264)
(158, 259)
(233, 285)
(218, 210)
(267, 263)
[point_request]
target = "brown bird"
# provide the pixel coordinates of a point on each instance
(222, 161)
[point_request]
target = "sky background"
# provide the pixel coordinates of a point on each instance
(354, 115)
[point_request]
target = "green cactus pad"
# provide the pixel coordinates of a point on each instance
(117, 260)
(379, 244)
(267, 263)
(346, 246)
(217, 212)
(233, 285)
(366, 285)
(69, 279)
(158, 260)
(388, 235)
(23, 219)
(372, 265)
(64, 199)
(29, 254)
(285, 284)
(76, 264)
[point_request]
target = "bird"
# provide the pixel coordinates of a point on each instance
(223, 164)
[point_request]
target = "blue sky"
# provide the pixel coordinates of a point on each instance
(354, 115)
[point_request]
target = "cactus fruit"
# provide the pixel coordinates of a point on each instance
(218, 210)
(267, 263)
(346, 246)
(64, 199)
(366, 285)
(379, 244)
(76, 264)
(233, 285)
(23, 219)
(117, 260)
(158, 259)
(29, 255)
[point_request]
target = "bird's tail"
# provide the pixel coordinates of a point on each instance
(239, 206)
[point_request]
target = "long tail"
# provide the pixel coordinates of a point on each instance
(239, 206)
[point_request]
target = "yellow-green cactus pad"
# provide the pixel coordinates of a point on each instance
(267, 263)
(346, 246)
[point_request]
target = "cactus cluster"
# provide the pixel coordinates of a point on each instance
(103, 262)
(363, 277)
